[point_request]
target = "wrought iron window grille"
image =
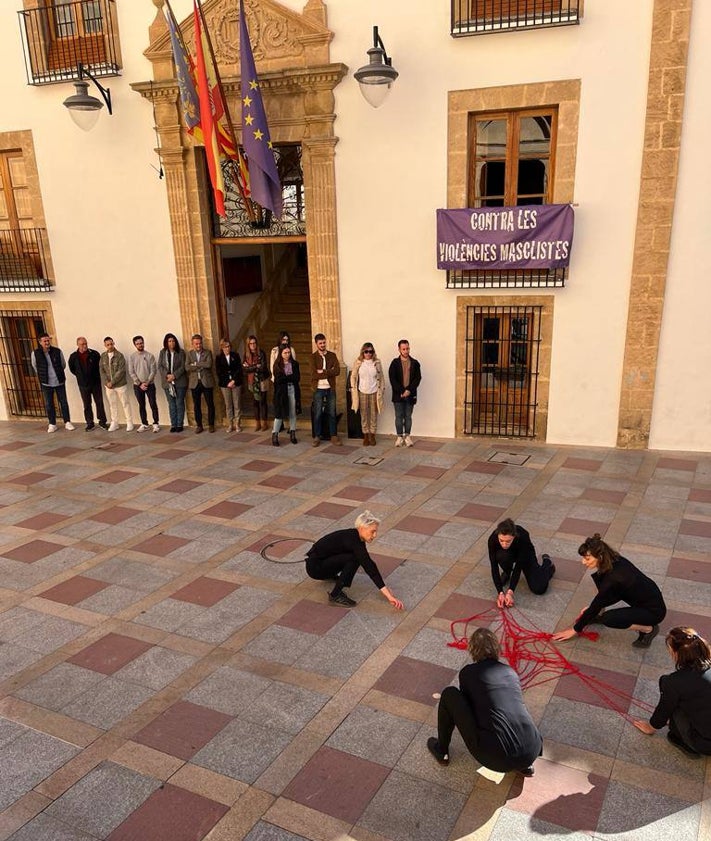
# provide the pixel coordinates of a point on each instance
(478, 17)
(23, 261)
(57, 37)
(506, 279)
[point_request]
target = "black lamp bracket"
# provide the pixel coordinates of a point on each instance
(105, 92)
(378, 43)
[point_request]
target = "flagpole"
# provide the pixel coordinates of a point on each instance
(248, 204)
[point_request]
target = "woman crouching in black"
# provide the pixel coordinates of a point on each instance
(618, 580)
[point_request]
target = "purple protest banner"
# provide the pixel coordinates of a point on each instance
(525, 237)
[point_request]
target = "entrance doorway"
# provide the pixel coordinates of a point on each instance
(502, 350)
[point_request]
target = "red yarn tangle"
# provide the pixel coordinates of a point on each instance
(535, 657)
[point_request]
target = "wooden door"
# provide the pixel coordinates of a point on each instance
(19, 249)
(76, 33)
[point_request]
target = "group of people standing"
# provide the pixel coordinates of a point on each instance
(103, 379)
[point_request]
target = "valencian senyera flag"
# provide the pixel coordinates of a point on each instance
(186, 74)
(263, 175)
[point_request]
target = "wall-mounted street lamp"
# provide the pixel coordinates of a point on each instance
(83, 108)
(376, 77)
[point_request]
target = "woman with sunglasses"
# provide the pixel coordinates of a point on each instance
(367, 388)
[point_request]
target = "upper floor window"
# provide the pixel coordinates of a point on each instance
(60, 34)
(476, 17)
(511, 158)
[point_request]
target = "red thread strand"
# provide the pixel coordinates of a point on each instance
(532, 653)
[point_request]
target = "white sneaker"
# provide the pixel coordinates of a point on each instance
(409, 442)
(113, 426)
(129, 427)
(69, 426)
(399, 441)
(52, 427)
(141, 428)
(238, 429)
(156, 428)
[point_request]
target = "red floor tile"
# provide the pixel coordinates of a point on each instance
(668, 463)
(160, 545)
(696, 528)
(15, 445)
(700, 495)
(65, 452)
(285, 546)
(337, 783)
(582, 464)
(172, 455)
(459, 606)
(312, 617)
(259, 465)
(415, 680)
(282, 483)
(686, 619)
(428, 446)
(601, 495)
(42, 521)
(690, 570)
(358, 493)
(560, 795)
(474, 511)
(484, 467)
(33, 551)
(330, 510)
(183, 729)
(205, 591)
(115, 447)
(74, 590)
(226, 510)
(170, 814)
(179, 486)
(583, 528)
(114, 516)
(420, 525)
(115, 477)
(110, 653)
(386, 564)
(424, 471)
(577, 688)
(263, 541)
(30, 478)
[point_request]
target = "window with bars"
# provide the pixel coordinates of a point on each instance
(19, 336)
(478, 17)
(501, 370)
(511, 162)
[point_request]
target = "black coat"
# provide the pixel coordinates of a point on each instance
(688, 692)
(395, 375)
(89, 376)
(228, 369)
(281, 390)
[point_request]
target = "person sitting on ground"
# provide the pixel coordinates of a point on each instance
(512, 553)
(685, 695)
(618, 580)
(489, 712)
(337, 556)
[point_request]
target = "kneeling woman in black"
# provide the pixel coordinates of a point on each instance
(618, 580)
(489, 713)
(685, 695)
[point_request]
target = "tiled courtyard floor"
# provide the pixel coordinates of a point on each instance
(161, 681)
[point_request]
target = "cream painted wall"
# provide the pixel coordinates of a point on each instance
(105, 208)
(391, 176)
(682, 406)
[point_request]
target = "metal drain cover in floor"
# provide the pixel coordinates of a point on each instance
(510, 458)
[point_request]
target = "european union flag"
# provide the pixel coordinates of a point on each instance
(263, 175)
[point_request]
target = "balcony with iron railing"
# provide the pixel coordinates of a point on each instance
(478, 17)
(56, 38)
(23, 260)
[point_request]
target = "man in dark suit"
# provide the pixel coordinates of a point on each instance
(84, 364)
(201, 382)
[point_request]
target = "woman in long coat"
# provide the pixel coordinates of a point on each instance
(367, 387)
(287, 394)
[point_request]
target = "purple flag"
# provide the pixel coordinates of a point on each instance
(524, 237)
(263, 175)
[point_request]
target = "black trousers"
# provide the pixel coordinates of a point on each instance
(623, 617)
(97, 392)
(141, 395)
(197, 392)
(454, 711)
(340, 567)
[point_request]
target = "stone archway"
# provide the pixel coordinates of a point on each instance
(297, 81)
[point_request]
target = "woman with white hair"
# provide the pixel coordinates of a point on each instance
(339, 555)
